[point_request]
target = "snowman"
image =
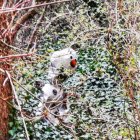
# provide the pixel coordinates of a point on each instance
(54, 102)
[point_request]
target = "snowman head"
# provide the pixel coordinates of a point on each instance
(66, 58)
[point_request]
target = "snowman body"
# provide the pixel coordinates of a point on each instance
(55, 101)
(51, 92)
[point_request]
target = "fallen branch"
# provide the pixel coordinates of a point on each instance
(5, 58)
(11, 46)
(11, 30)
(21, 20)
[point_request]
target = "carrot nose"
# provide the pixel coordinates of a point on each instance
(73, 63)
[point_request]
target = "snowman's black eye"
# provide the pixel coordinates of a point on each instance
(71, 57)
(56, 112)
(54, 91)
(53, 105)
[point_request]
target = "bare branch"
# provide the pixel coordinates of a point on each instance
(34, 6)
(9, 57)
(18, 102)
